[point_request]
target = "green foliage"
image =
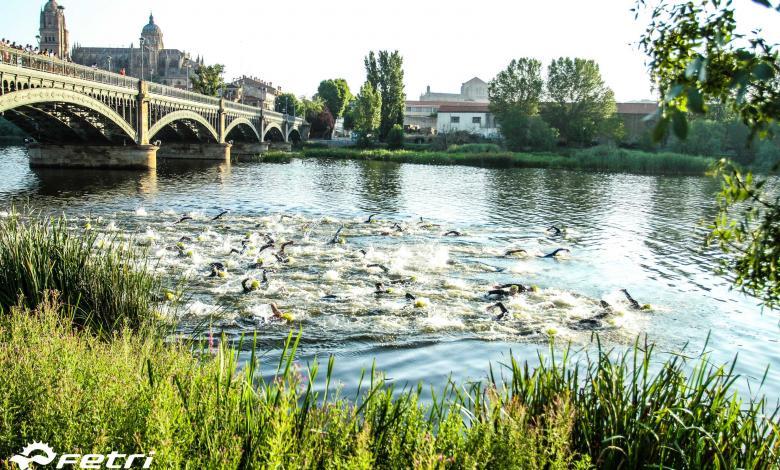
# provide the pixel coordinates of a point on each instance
(602, 158)
(386, 74)
(395, 138)
(582, 107)
(474, 148)
(207, 79)
(367, 111)
(517, 88)
(106, 285)
(698, 58)
(753, 235)
(210, 411)
(310, 108)
(336, 95)
(288, 103)
(523, 132)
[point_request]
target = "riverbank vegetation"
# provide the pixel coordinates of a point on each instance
(200, 405)
(602, 158)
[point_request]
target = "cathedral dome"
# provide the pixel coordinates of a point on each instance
(152, 33)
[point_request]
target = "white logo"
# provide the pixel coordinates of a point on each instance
(24, 459)
(89, 461)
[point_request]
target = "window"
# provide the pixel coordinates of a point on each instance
(476, 120)
(455, 119)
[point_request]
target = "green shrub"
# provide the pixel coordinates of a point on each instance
(524, 133)
(138, 394)
(107, 284)
(395, 138)
(474, 148)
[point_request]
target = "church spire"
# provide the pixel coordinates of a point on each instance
(151, 18)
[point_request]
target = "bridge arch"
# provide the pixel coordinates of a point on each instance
(294, 135)
(33, 96)
(244, 123)
(273, 133)
(170, 118)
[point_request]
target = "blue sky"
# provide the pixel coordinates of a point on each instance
(444, 42)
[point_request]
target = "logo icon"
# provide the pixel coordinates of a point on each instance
(26, 457)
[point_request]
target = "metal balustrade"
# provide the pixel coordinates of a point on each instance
(43, 63)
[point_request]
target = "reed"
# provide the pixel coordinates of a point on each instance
(108, 284)
(602, 158)
(204, 408)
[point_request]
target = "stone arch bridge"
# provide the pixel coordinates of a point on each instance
(84, 117)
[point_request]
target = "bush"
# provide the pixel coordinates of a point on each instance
(523, 133)
(444, 141)
(143, 394)
(474, 148)
(107, 285)
(395, 138)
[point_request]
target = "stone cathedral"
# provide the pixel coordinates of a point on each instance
(170, 67)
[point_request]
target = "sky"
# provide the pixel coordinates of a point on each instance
(444, 42)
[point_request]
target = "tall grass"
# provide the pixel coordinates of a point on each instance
(107, 285)
(138, 394)
(603, 158)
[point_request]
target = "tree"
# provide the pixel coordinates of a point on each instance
(395, 138)
(367, 114)
(322, 123)
(519, 87)
(386, 75)
(336, 95)
(581, 106)
(310, 109)
(697, 59)
(515, 95)
(288, 103)
(207, 79)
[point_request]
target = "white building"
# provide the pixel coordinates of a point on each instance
(474, 90)
(469, 117)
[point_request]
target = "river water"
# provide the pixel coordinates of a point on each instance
(639, 233)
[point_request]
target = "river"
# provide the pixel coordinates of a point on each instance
(639, 233)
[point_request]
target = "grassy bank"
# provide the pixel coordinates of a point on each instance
(593, 159)
(137, 394)
(69, 384)
(108, 285)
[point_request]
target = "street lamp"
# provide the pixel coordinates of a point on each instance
(109, 63)
(142, 58)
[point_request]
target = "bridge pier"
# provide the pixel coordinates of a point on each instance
(244, 150)
(131, 157)
(215, 152)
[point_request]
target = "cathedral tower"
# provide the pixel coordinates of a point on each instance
(54, 34)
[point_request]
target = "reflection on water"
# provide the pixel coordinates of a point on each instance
(624, 231)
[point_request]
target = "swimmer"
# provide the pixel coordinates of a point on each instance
(503, 293)
(183, 219)
(453, 233)
(520, 288)
(555, 231)
(380, 289)
(518, 251)
(278, 315)
(336, 236)
(634, 304)
(370, 219)
(410, 297)
(221, 214)
(250, 285)
(383, 268)
(217, 269)
(285, 245)
(505, 313)
(185, 239)
(555, 253)
(265, 247)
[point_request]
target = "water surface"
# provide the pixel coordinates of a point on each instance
(640, 233)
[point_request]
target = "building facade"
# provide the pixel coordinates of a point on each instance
(171, 67)
(254, 92)
(474, 118)
(53, 33)
(421, 116)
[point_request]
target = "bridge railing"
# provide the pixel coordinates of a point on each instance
(171, 92)
(245, 108)
(43, 63)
